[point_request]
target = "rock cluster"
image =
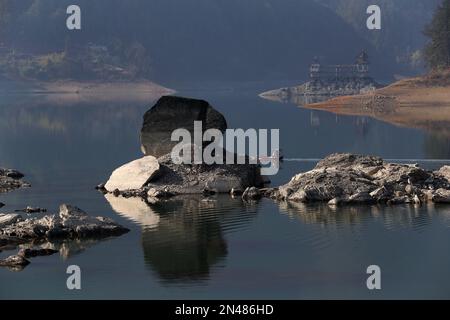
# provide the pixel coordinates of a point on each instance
(318, 90)
(11, 180)
(70, 224)
(355, 179)
(156, 176)
(162, 178)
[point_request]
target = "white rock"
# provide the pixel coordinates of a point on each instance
(441, 196)
(133, 175)
(67, 211)
(7, 219)
(335, 202)
(377, 193)
(416, 199)
(445, 172)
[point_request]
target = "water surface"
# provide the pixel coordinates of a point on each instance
(220, 247)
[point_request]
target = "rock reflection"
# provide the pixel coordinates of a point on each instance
(299, 100)
(66, 248)
(185, 239)
(135, 209)
(392, 217)
(72, 248)
(437, 145)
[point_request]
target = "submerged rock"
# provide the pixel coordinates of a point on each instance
(171, 113)
(356, 179)
(30, 209)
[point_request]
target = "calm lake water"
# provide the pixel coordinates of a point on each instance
(219, 247)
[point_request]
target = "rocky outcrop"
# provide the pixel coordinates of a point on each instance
(70, 224)
(11, 180)
(319, 90)
(178, 179)
(158, 176)
(171, 113)
(355, 179)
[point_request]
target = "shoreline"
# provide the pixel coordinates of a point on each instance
(89, 87)
(421, 102)
(68, 91)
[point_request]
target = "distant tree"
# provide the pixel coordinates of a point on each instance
(437, 52)
(3, 14)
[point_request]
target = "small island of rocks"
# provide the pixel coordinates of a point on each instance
(328, 81)
(38, 236)
(10, 180)
(338, 179)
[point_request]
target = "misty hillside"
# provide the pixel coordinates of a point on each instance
(180, 40)
(403, 22)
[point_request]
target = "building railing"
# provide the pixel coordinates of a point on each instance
(318, 71)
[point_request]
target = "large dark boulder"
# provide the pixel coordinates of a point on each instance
(171, 113)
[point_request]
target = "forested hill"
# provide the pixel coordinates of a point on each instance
(179, 40)
(403, 23)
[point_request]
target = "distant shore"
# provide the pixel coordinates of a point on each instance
(91, 87)
(422, 102)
